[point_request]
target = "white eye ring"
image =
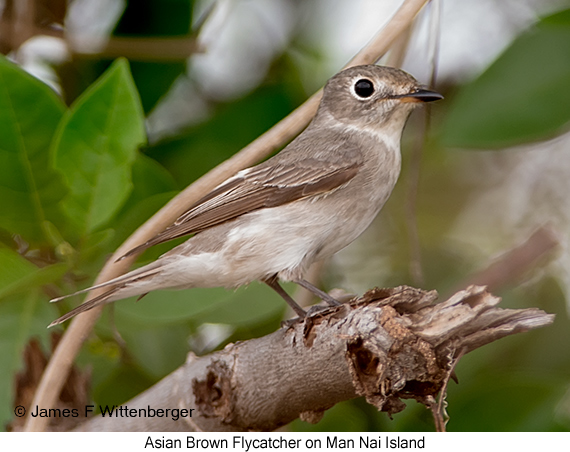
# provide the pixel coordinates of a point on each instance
(364, 88)
(353, 89)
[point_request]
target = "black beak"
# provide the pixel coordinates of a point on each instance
(420, 95)
(426, 95)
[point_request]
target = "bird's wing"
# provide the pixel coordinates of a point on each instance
(256, 188)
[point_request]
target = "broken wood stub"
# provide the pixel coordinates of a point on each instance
(212, 395)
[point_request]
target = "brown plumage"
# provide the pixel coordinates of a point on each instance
(272, 221)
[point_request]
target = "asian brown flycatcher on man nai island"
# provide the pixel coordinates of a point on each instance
(270, 222)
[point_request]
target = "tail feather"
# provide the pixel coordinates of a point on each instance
(88, 289)
(117, 284)
(139, 273)
(90, 304)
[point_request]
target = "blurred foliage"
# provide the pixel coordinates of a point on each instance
(522, 96)
(152, 18)
(76, 180)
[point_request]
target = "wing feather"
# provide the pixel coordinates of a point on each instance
(253, 189)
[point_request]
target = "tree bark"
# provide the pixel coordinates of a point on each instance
(388, 345)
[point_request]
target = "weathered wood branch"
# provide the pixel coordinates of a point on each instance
(387, 345)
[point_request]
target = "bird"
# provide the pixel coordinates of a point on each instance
(270, 222)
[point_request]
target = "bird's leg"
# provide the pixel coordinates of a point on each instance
(274, 284)
(318, 292)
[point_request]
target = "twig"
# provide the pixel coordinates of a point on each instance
(388, 345)
(398, 51)
(513, 264)
(134, 48)
(80, 328)
(142, 49)
(413, 180)
(440, 416)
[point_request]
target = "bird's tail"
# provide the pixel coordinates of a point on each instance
(90, 304)
(115, 291)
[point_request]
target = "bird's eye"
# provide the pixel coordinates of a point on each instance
(364, 88)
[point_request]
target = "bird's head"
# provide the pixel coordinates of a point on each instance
(373, 96)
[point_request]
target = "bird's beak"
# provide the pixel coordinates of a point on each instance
(419, 95)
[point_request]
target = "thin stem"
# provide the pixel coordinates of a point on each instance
(416, 271)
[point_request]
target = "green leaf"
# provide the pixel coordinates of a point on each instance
(95, 248)
(14, 267)
(20, 319)
(131, 219)
(30, 189)
(149, 178)
(96, 146)
(19, 275)
(523, 96)
(38, 278)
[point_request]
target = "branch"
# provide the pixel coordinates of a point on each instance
(387, 345)
(513, 264)
(133, 48)
(59, 366)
